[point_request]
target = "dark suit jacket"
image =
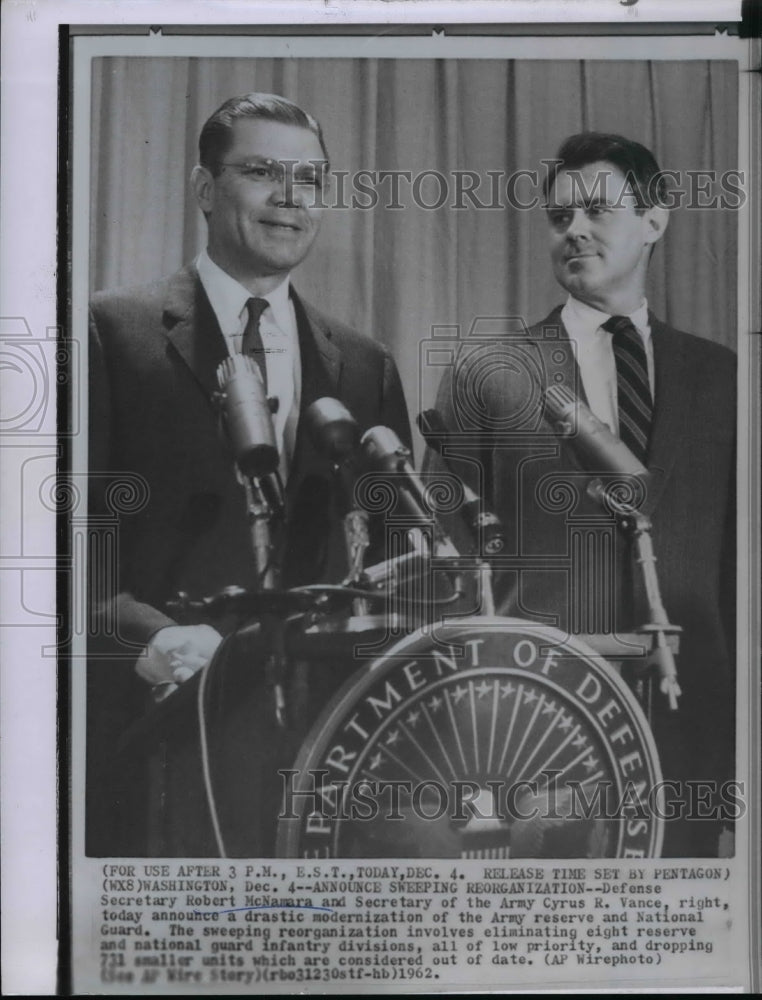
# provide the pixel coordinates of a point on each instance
(536, 485)
(154, 352)
(153, 358)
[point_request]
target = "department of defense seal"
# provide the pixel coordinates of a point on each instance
(499, 739)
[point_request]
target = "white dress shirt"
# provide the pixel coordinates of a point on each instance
(595, 355)
(280, 340)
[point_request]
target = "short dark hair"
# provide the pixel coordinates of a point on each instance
(635, 161)
(216, 136)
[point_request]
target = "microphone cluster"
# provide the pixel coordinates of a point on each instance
(336, 435)
(246, 413)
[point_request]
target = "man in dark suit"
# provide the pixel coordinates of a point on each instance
(670, 397)
(154, 353)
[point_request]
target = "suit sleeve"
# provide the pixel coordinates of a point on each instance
(117, 616)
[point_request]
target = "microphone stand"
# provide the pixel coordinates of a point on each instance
(246, 421)
(597, 445)
(485, 527)
(357, 541)
(638, 525)
(263, 512)
(260, 514)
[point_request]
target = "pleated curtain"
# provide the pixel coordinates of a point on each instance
(398, 273)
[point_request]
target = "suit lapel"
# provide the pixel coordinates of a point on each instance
(321, 359)
(671, 409)
(321, 365)
(192, 328)
(310, 489)
(553, 328)
(565, 372)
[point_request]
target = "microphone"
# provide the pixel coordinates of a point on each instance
(333, 429)
(387, 453)
(336, 436)
(600, 451)
(247, 416)
(604, 453)
(484, 525)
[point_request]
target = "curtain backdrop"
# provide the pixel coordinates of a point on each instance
(396, 273)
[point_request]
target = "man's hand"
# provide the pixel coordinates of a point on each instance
(176, 653)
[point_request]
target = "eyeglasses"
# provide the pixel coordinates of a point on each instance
(312, 174)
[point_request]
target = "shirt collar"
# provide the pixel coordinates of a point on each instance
(228, 297)
(280, 303)
(588, 319)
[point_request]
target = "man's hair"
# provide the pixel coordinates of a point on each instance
(216, 136)
(635, 161)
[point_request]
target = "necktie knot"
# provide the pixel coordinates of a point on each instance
(255, 306)
(622, 328)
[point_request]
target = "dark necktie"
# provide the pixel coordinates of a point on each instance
(252, 337)
(634, 400)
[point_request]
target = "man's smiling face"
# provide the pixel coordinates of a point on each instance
(599, 243)
(262, 206)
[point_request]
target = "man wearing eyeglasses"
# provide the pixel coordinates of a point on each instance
(154, 355)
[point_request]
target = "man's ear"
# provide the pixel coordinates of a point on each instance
(656, 222)
(202, 183)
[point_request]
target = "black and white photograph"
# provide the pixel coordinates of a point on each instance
(408, 485)
(501, 260)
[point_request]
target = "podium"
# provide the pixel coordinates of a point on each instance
(156, 778)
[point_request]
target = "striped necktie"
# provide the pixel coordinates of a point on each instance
(634, 400)
(251, 343)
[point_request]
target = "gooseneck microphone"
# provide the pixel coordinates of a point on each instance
(485, 526)
(603, 453)
(599, 450)
(336, 436)
(386, 453)
(333, 429)
(247, 417)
